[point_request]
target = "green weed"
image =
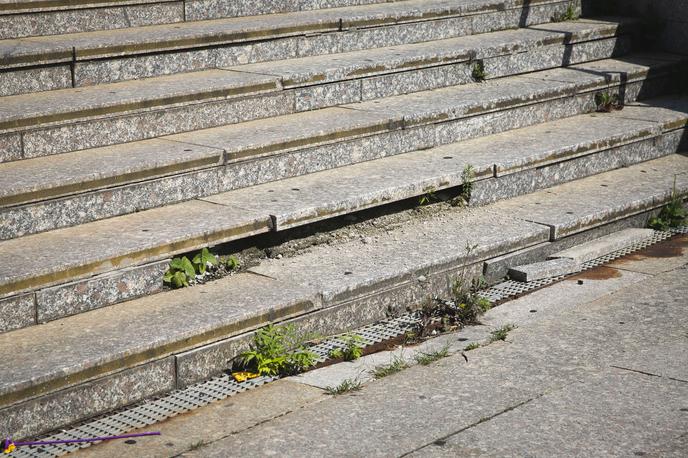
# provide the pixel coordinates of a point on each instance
(607, 102)
(425, 359)
(397, 364)
(478, 71)
(278, 351)
(353, 348)
(569, 14)
(346, 386)
(673, 214)
(501, 333)
(472, 346)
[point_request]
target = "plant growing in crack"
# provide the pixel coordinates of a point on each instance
(425, 359)
(179, 273)
(607, 102)
(278, 350)
(467, 177)
(353, 348)
(472, 346)
(478, 72)
(346, 386)
(672, 215)
(463, 307)
(397, 364)
(502, 332)
(570, 14)
(232, 263)
(429, 197)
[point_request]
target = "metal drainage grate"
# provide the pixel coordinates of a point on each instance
(152, 411)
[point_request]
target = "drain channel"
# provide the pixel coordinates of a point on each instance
(150, 412)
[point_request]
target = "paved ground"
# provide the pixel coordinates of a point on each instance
(598, 366)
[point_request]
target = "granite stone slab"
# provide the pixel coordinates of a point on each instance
(69, 104)
(102, 246)
(604, 245)
(536, 178)
(588, 202)
(63, 353)
(85, 400)
(48, 177)
(671, 112)
(148, 124)
(89, 19)
(10, 147)
(25, 53)
(21, 81)
(99, 291)
(266, 136)
(544, 269)
(327, 95)
(309, 198)
(350, 270)
(17, 312)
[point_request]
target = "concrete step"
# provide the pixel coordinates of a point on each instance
(55, 17)
(90, 363)
(75, 188)
(97, 264)
(177, 103)
(104, 57)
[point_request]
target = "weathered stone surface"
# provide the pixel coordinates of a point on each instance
(670, 112)
(148, 124)
(210, 9)
(100, 291)
(48, 177)
(17, 312)
(343, 273)
(34, 80)
(112, 244)
(48, 412)
(63, 354)
(419, 80)
(89, 19)
(544, 269)
(536, 178)
(25, 53)
(329, 193)
(91, 206)
(70, 104)
(604, 245)
(608, 197)
(10, 147)
(262, 137)
(327, 95)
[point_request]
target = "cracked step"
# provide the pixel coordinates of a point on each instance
(618, 141)
(255, 152)
(197, 330)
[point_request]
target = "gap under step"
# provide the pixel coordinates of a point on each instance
(505, 165)
(113, 181)
(160, 342)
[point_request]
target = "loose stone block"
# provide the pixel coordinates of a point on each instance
(604, 245)
(544, 269)
(39, 415)
(17, 312)
(495, 269)
(100, 291)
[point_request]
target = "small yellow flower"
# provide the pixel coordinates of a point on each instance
(9, 449)
(243, 376)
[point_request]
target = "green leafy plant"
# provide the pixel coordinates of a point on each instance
(397, 364)
(278, 351)
(569, 14)
(501, 333)
(429, 197)
(203, 259)
(467, 177)
(472, 346)
(673, 214)
(179, 272)
(346, 386)
(232, 262)
(464, 306)
(353, 348)
(425, 359)
(478, 71)
(607, 102)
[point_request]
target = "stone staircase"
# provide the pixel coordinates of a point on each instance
(148, 129)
